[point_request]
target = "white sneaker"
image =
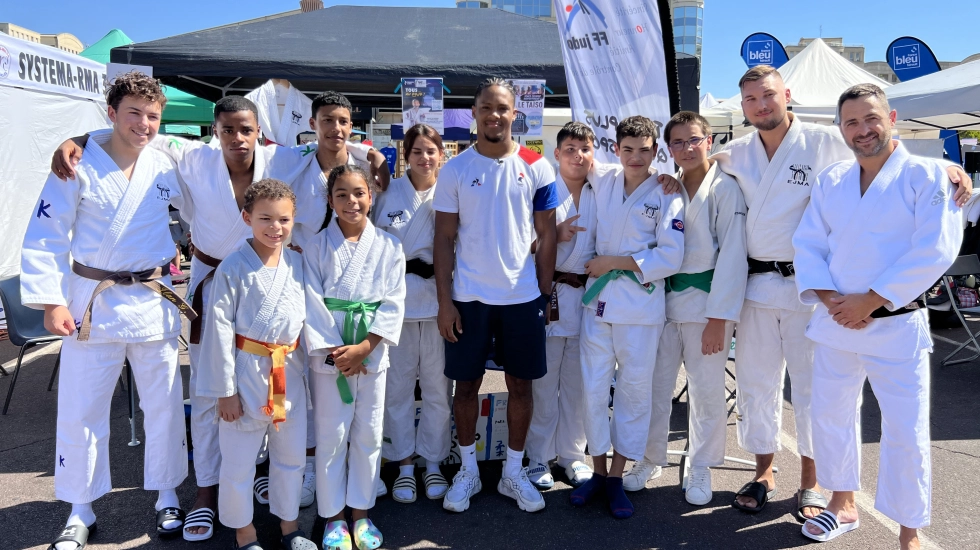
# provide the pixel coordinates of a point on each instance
(465, 485)
(308, 493)
(698, 486)
(638, 476)
(380, 489)
(540, 476)
(520, 489)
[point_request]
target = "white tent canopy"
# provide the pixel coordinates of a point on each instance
(947, 99)
(707, 101)
(815, 77)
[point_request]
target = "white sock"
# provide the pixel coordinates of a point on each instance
(168, 499)
(514, 463)
(432, 467)
(468, 454)
(408, 470)
(81, 514)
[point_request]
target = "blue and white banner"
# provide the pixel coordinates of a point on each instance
(36, 66)
(615, 68)
(763, 49)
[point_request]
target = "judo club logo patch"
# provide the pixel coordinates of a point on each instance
(801, 174)
(395, 217)
(650, 210)
(600, 308)
(677, 225)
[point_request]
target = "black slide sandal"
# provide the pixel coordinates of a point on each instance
(808, 498)
(756, 490)
(170, 514)
(79, 534)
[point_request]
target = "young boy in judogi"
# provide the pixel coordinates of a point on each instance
(405, 211)
(878, 232)
(96, 259)
(254, 367)
(639, 242)
(557, 426)
(355, 303)
(703, 302)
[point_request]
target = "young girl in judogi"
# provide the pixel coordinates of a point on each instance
(255, 369)
(405, 210)
(355, 300)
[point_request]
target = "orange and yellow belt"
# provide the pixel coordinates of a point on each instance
(276, 406)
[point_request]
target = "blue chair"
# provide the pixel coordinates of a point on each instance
(25, 326)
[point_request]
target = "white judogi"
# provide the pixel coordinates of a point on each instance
(557, 425)
(268, 305)
(714, 238)
(420, 353)
(311, 194)
(104, 221)
(772, 322)
(372, 270)
(897, 239)
(217, 229)
(623, 324)
(282, 127)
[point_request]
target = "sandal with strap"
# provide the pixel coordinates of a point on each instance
(435, 480)
(79, 534)
(808, 498)
(368, 536)
(757, 491)
(250, 546)
(403, 483)
(260, 487)
(336, 536)
(829, 526)
(202, 517)
(297, 541)
(170, 514)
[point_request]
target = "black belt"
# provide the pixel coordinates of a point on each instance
(916, 305)
(574, 280)
(420, 268)
(783, 268)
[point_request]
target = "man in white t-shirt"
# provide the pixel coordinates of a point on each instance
(492, 201)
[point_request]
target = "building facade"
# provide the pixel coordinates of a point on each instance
(688, 21)
(63, 41)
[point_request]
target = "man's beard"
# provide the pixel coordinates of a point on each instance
(768, 124)
(878, 148)
(489, 139)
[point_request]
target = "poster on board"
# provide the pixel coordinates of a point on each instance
(422, 103)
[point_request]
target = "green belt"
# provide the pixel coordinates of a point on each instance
(684, 281)
(601, 282)
(351, 335)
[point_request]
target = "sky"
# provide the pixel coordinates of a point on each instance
(874, 25)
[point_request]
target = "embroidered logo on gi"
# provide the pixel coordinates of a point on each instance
(600, 308)
(801, 173)
(173, 143)
(42, 209)
(297, 117)
(677, 225)
(939, 197)
(476, 183)
(61, 461)
(395, 217)
(307, 150)
(650, 210)
(164, 192)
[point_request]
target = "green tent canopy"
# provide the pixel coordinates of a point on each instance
(184, 113)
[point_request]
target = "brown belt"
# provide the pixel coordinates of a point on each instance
(148, 278)
(197, 298)
(574, 280)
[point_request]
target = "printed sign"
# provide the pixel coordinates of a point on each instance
(422, 103)
(529, 103)
(35, 66)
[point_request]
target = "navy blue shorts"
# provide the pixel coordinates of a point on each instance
(515, 333)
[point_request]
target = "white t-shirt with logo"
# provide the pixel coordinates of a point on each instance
(496, 200)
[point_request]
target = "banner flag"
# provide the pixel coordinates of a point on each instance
(615, 67)
(911, 58)
(763, 49)
(529, 119)
(422, 103)
(36, 66)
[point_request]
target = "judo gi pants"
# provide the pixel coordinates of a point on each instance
(204, 413)
(707, 416)
(420, 354)
(557, 424)
(768, 342)
(348, 441)
(287, 460)
(901, 387)
(634, 349)
(88, 375)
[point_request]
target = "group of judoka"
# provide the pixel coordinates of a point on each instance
(317, 300)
